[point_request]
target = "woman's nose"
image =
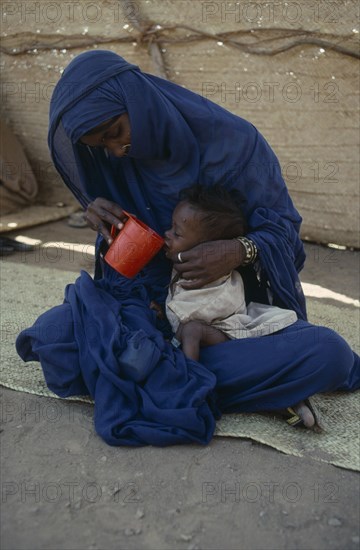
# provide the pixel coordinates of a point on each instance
(116, 149)
(167, 234)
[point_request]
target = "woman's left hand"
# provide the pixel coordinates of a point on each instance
(206, 262)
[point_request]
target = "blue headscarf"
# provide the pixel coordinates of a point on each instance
(178, 138)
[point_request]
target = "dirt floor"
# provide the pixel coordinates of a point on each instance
(63, 488)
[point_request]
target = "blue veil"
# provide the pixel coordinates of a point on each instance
(178, 138)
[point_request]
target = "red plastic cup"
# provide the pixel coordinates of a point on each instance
(134, 247)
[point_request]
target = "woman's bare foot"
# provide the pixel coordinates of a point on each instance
(304, 412)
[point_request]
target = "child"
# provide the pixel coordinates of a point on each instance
(216, 312)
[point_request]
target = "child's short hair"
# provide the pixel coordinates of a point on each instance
(222, 209)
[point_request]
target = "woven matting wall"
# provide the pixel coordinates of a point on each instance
(290, 68)
(38, 289)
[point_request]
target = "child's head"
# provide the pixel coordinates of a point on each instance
(205, 214)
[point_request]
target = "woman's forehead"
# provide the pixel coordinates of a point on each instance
(103, 126)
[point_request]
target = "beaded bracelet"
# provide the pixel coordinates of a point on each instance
(250, 250)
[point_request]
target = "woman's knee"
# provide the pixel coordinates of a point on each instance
(334, 356)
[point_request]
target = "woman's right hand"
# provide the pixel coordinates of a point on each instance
(101, 213)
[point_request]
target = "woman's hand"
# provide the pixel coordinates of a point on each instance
(101, 212)
(158, 309)
(208, 261)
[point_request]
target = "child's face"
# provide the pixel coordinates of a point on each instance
(186, 230)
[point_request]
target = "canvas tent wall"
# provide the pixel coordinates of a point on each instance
(291, 68)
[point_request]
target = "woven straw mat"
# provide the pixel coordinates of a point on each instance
(38, 289)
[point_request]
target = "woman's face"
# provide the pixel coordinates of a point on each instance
(186, 231)
(113, 135)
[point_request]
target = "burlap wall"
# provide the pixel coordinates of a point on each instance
(293, 73)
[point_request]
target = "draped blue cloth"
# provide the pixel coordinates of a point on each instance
(103, 341)
(106, 341)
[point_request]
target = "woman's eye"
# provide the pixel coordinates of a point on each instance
(115, 135)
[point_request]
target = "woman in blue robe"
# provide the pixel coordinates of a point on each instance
(124, 139)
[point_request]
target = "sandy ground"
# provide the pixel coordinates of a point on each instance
(64, 488)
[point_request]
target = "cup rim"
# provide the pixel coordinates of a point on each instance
(140, 225)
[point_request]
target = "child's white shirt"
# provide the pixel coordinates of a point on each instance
(221, 304)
